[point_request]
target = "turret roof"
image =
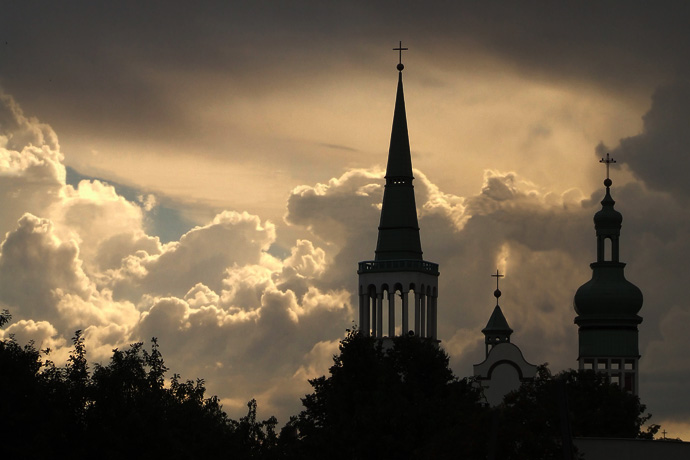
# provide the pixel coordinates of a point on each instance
(497, 324)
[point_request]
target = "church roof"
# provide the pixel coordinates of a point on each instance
(497, 324)
(398, 228)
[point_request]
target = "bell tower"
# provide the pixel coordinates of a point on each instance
(398, 267)
(607, 305)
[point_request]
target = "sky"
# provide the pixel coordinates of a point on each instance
(211, 174)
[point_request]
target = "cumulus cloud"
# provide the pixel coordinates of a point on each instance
(223, 307)
(31, 169)
(38, 268)
(105, 225)
(202, 255)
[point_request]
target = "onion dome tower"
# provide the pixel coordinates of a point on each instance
(607, 305)
(398, 266)
(504, 369)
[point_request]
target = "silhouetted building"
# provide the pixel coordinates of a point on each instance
(504, 368)
(398, 266)
(607, 305)
(632, 449)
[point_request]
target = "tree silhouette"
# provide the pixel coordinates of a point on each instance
(401, 401)
(392, 398)
(123, 409)
(532, 421)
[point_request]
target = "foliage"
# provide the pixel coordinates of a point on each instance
(576, 403)
(400, 400)
(5, 317)
(123, 409)
(392, 398)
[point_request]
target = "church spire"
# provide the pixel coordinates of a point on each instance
(398, 268)
(607, 305)
(398, 227)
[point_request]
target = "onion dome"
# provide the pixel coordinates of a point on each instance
(608, 293)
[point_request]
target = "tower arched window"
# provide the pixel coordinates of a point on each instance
(608, 248)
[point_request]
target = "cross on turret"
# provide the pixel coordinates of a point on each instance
(497, 292)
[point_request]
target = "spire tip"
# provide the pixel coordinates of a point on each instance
(400, 49)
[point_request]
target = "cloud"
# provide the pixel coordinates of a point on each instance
(106, 226)
(664, 143)
(254, 324)
(202, 255)
(31, 169)
(37, 268)
(18, 131)
(220, 303)
(24, 331)
(543, 242)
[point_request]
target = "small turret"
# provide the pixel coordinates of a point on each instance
(504, 368)
(497, 329)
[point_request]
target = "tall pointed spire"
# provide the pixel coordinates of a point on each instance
(398, 268)
(398, 228)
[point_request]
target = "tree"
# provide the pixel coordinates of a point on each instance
(533, 420)
(5, 317)
(133, 413)
(400, 400)
(29, 401)
(122, 409)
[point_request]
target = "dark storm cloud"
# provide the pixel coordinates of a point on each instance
(103, 64)
(659, 155)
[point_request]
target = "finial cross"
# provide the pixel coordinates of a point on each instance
(497, 292)
(400, 49)
(608, 162)
(497, 276)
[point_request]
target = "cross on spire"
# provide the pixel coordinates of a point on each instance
(400, 49)
(497, 276)
(608, 162)
(497, 292)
